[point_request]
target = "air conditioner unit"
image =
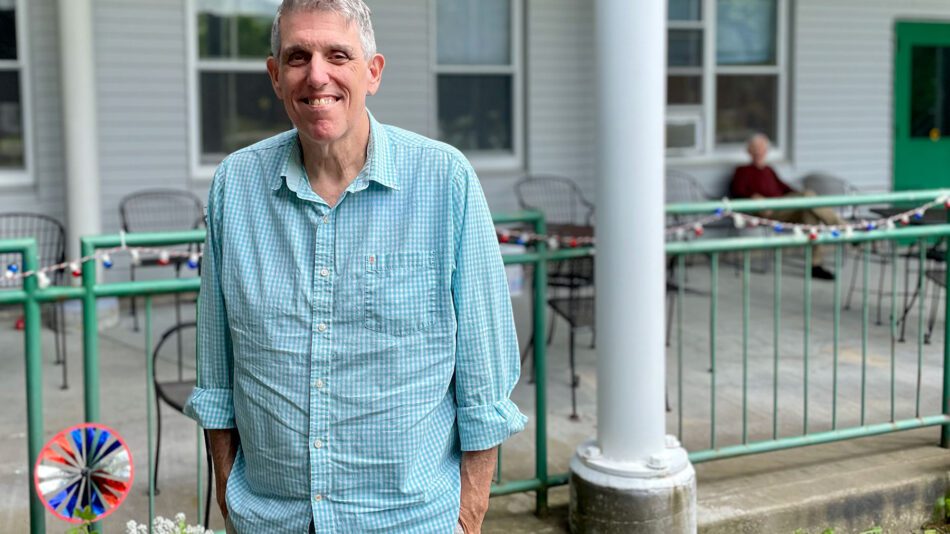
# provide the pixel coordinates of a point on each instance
(684, 135)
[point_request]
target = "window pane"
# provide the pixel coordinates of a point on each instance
(685, 48)
(11, 125)
(745, 105)
(746, 32)
(474, 32)
(235, 28)
(7, 29)
(475, 112)
(930, 91)
(684, 90)
(685, 10)
(237, 110)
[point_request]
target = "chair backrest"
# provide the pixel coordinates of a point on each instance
(156, 210)
(50, 241)
(175, 386)
(826, 184)
(559, 198)
(683, 187)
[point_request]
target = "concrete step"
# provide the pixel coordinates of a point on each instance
(888, 481)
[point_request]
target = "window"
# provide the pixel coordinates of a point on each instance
(478, 83)
(14, 153)
(726, 75)
(233, 104)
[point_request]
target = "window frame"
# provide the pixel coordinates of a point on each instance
(483, 161)
(710, 70)
(24, 176)
(197, 65)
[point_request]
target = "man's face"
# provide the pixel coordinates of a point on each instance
(322, 75)
(758, 149)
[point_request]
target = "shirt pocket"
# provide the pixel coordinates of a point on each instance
(399, 291)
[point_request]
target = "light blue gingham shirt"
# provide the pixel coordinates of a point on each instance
(358, 349)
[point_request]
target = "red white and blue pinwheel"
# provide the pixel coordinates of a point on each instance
(85, 466)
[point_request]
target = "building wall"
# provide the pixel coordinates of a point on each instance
(142, 99)
(47, 194)
(844, 85)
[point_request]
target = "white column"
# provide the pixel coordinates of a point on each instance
(78, 82)
(631, 281)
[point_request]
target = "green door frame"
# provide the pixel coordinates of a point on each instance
(921, 162)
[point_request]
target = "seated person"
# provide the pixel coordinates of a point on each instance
(758, 180)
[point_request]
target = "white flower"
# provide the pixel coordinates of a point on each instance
(179, 518)
(131, 527)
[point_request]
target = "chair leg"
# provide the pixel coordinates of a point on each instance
(575, 380)
(670, 303)
(210, 478)
(933, 314)
(854, 278)
(135, 315)
(908, 301)
(158, 440)
(55, 317)
(551, 325)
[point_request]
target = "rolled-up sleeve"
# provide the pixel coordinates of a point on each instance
(487, 362)
(211, 403)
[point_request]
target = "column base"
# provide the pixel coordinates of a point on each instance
(657, 497)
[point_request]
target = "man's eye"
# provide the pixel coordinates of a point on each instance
(296, 58)
(339, 57)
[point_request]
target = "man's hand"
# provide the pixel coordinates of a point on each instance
(477, 469)
(224, 446)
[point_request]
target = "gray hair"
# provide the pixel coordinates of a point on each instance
(354, 11)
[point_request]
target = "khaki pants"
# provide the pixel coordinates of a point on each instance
(813, 216)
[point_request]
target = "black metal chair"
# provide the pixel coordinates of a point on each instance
(577, 308)
(160, 210)
(175, 393)
(51, 249)
(563, 203)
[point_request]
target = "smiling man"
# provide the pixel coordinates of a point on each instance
(356, 347)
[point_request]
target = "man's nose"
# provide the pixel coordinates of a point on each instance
(319, 72)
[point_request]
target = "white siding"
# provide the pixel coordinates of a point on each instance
(562, 86)
(405, 98)
(843, 85)
(142, 99)
(47, 194)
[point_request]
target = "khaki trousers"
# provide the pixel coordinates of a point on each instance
(813, 216)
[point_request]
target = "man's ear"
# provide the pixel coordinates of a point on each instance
(273, 70)
(375, 67)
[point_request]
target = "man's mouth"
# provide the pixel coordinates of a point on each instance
(321, 101)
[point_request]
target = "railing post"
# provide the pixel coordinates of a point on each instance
(34, 384)
(90, 335)
(945, 405)
(540, 369)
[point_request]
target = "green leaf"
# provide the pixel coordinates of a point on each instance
(828, 531)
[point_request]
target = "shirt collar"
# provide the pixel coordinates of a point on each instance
(378, 168)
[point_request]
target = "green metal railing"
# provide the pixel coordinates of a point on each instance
(30, 297)
(917, 236)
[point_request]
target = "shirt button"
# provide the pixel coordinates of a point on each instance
(318, 384)
(318, 497)
(321, 327)
(326, 219)
(324, 272)
(318, 444)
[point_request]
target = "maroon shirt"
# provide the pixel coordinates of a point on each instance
(750, 180)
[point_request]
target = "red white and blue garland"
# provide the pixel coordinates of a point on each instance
(693, 228)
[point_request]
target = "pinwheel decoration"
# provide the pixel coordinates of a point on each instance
(87, 466)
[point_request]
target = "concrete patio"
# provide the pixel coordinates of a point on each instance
(887, 480)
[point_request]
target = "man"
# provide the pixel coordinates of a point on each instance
(758, 180)
(356, 341)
